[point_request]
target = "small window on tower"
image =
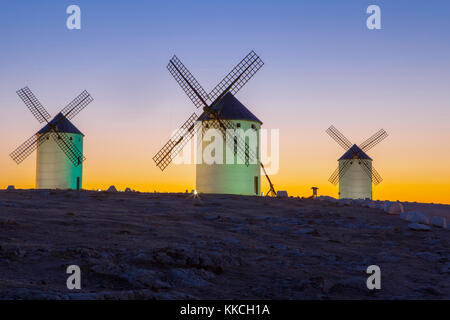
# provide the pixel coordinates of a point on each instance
(253, 127)
(238, 125)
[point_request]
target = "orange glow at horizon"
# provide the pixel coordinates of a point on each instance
(305, 161)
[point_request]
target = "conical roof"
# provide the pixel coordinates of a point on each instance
(231, 108)
(62, 125)
(355, 152)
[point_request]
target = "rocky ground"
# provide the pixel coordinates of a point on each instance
(175, 246)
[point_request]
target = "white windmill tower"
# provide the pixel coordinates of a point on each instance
(355, 172)
(235, 123)
(230, 177)
(59, 161)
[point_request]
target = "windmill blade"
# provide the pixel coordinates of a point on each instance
(165, 156)
(33, 105)
(334, 178)
(188, 83)
(68, 147)
(373, 174)
(78, 104)
(238, 77)
(27, 148)
(339, 138)
(376, 177)
(373, 140)
(243, 151)
(340, 172)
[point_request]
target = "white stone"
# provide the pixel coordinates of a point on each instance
(393, 207)
(418, 217)
(327, 198)
(439, 222)
(418, 227)
(282, 194)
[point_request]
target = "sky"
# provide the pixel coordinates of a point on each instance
(323, 67)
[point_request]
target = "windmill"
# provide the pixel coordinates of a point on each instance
(59, 159)
(355, 172)
(223, 112)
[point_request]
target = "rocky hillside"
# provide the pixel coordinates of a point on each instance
(174, 246)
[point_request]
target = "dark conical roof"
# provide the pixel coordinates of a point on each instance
(231, 108)
(355, 152)
(62, 125)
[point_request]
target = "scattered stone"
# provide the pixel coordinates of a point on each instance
(282, 194)
(393, 207)
(440, 222)
(418, 227)
(418, 217)
(112, 189)
(173, 248)
(326, 198)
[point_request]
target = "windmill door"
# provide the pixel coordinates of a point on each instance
(256, 186)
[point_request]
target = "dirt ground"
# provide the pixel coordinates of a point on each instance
(175, 246)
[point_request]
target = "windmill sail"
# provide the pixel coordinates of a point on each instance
(237, 77)
(27, 148)
(33, 105)
(61, 139)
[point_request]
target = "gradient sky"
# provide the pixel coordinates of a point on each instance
(322, 67)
